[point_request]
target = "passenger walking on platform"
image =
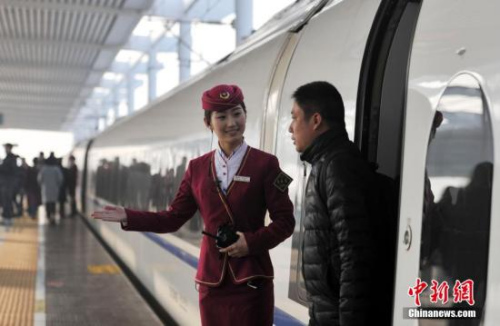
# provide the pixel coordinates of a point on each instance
(62, 189)
(20, 193)
(338, 244)
(72, 178)
(33, 191)
(50, 179)
(232, 187)
(41, 158)
(8, 178)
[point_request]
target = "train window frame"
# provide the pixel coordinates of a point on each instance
(446, 224)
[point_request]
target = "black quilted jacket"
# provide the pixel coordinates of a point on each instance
(337, 247)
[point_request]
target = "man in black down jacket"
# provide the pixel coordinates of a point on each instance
(338, 246)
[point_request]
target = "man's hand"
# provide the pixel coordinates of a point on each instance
(111, 214)
(238, 249)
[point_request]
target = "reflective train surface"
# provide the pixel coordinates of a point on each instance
(421, 84)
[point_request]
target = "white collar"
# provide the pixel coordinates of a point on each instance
(241, 148)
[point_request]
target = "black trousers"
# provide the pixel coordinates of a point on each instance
(72, 200)
(6, 201)
(50, 209)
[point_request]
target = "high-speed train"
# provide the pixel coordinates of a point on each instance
(421, 84)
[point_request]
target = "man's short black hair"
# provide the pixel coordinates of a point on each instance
(323, 98)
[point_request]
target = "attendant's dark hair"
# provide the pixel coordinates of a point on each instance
(208, 113)
(323, 98)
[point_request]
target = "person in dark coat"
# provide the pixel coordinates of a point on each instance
(62, 189)
(71, 181)
(41, 158)
(33, 191)
(8, 175)
(338, 244)
(232, 186)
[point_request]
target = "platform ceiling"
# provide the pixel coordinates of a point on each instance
(54, 52)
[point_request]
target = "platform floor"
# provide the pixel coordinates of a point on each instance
(61, 275)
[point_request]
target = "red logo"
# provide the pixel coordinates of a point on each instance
(417, 290)
(439, 292)
(462, 291)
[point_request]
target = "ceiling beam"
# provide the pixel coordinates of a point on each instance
(144, 44)
(43, 94)
(53, 67)
(34, 101)
(21, 125)
(30, 109)
(71, 7)
(171, 8)
(41, 82)
(59, 44)
(33, 112)
(211, 11)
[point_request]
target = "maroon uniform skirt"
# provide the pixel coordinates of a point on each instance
(230, 304)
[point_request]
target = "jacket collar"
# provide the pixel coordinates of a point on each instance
(324, 143)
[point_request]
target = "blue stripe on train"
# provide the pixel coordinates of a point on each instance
(281, 318)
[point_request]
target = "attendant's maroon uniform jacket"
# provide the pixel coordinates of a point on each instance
(248, 199)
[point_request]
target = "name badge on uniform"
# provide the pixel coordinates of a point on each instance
(241, 178)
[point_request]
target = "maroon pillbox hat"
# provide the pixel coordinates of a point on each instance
(221, 98)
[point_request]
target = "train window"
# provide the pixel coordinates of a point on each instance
(148, 181)
(457, 201)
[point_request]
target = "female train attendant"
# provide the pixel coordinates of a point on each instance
(232, 187)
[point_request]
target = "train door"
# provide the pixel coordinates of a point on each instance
(381, 106)
(447, 168)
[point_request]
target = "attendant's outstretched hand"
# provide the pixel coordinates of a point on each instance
(111, 214)
(238, 249)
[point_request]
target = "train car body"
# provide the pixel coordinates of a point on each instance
(396, 64)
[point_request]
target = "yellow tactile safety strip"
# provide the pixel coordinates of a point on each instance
(18, 263)
(103, 269)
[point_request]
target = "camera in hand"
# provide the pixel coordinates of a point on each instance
(226, 236)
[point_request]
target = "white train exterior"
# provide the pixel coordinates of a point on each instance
(395, 63)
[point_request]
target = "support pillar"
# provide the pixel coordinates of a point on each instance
(244, 19)
(116, 102)
(130, 92)
(184, 51)
(152, 70)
